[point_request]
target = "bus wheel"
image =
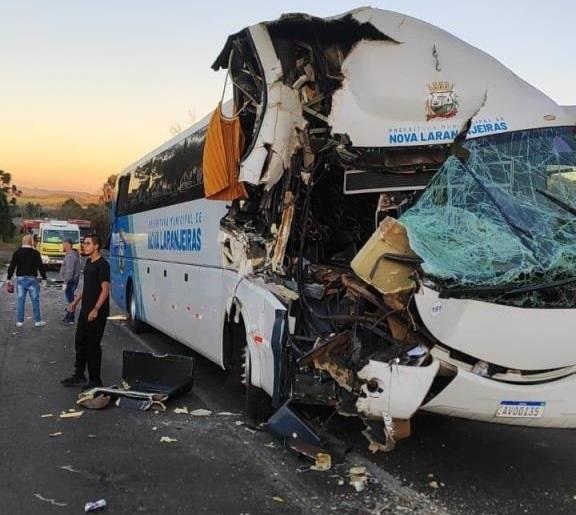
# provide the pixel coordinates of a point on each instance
(136, 325)
(257, 403)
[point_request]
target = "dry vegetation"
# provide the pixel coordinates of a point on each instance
(53, 198)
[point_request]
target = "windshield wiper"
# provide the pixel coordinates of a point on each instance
(557, 201)
(498, 290)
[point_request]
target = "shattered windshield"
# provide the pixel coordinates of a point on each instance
(504, 218)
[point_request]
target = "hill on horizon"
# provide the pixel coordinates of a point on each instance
(54, 198)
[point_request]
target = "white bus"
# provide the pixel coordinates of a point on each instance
(384, 223)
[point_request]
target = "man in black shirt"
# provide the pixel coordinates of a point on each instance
(93, 315)
(27, 263)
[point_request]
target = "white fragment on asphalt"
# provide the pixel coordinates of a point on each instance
(117, 317)
(95, 505)
(239, 422)
(228, 414)
(250, 430)
(167, 439)
(50, 501)
(277, 498)
(181, 410)
(272, 445)
(201, 412)
(70, 468)
(46, 415)
(71, 414)
(433, 484)
(59, 433)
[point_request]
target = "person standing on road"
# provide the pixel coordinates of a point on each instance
(70, 274)
(93, 315)
(27, 263)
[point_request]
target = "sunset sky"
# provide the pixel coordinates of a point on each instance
(89, 87)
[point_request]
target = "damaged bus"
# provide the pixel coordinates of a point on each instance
(382, 220)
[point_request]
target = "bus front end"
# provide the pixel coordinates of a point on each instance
(412, 201)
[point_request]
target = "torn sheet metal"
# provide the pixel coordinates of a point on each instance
(165, 374)
(287, 423)
(133, 399)
(394, 389)
(322, 458)
(382, 260)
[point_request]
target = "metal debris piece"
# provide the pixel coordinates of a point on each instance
(285, 422)
(138, 404)
(167, 439)
(322, 459)
(376, 263)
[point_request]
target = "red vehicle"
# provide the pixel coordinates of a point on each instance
(84, 225)
(32, 226)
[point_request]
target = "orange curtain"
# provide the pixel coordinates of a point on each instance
(224, 141)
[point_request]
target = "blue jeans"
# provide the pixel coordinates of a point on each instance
(69, 294)
(29, 285)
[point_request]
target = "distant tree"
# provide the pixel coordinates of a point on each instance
(70, 209)
(8, 194)
(32, 210)
(107, 191)
(99, 214)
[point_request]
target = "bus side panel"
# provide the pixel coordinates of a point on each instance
(173, 259)
(123, 265)
(187, 303)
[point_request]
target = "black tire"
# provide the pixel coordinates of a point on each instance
(136, 325)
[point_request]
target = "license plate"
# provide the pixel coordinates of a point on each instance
(519, 409)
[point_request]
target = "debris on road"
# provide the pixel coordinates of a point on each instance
(95, 505)
(201, 412)
(71, 413)
(94, 401)
(49, 501)
(167, 439)
(322, 459)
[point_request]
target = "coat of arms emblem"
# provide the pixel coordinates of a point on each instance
(442, 102)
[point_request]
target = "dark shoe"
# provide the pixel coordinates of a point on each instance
(92, 384)
(74, 380)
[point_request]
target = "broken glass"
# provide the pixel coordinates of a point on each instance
(502, 223)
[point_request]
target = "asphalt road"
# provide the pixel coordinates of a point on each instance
(468, 467)
(214, 464)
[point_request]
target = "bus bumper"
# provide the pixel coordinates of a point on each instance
(471, 396)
